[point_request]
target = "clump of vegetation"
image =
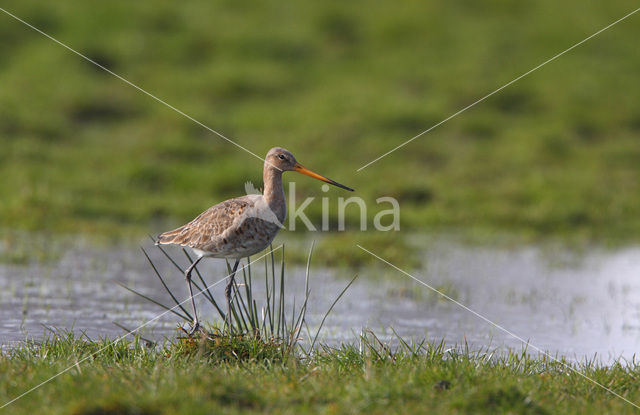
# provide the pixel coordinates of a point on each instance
(222, 347)
(258, 327)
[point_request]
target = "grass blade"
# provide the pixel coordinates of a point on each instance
(331, 308)
(173, 310)
(155, 270)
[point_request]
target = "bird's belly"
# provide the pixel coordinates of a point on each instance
(251, 237)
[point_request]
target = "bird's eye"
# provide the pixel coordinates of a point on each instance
(281, 156)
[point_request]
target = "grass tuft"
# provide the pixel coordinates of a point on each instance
(262, 328)
(220, 347)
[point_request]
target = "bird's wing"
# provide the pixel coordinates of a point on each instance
(210, 226)
(250, 189)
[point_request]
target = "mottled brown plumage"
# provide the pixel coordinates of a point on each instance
(231, 229)
(243, 226)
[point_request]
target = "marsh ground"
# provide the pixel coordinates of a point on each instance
(580, 305)
(174, 380)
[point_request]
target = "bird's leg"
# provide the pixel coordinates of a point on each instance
(187, 276)
(227, 293)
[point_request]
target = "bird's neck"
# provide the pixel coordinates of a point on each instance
(274, 191)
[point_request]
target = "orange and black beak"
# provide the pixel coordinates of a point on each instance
(300, 169)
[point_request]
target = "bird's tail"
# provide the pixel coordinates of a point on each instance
(175, 236)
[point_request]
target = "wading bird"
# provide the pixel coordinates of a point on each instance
(240, 227)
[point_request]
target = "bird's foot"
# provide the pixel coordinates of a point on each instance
(195, 328)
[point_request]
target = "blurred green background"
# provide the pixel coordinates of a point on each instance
(338, 84)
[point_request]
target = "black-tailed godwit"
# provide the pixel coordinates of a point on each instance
(240, 227)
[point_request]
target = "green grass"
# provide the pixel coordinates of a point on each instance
(338, 83)
(131, 378)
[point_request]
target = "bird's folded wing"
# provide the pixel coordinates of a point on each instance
(210, 226)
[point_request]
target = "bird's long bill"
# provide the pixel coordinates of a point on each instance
(300, 169)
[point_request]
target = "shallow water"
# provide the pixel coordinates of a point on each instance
(574, 305)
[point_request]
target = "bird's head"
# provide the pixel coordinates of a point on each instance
(283, 160)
